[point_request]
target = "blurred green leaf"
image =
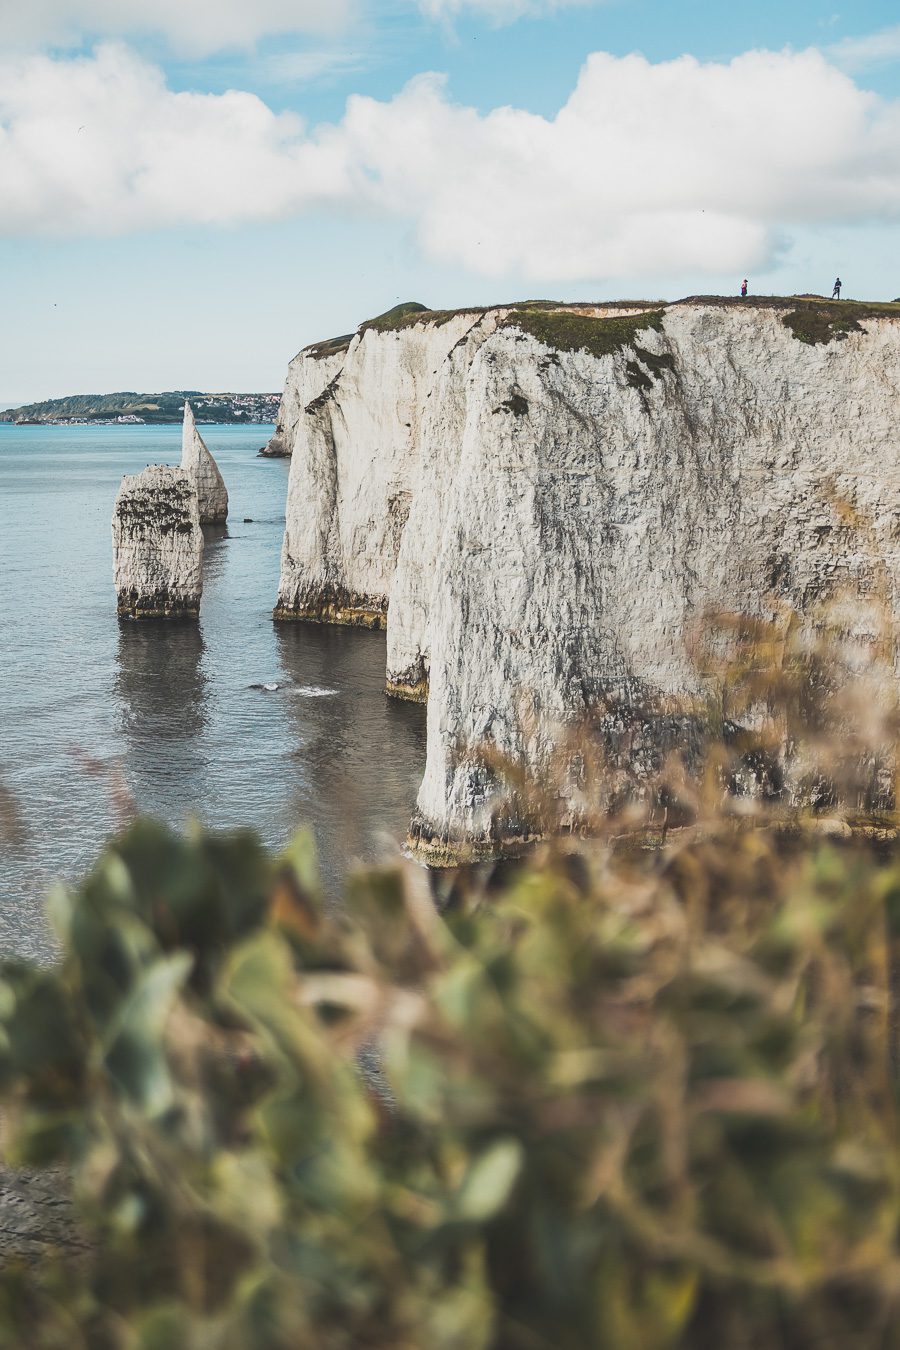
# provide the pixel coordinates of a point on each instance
(489, 1181)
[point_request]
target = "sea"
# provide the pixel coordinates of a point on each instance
(233, 721)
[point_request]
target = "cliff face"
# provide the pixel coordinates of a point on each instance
(309, 373)
(580, 490)
(212, 494)
(157, 545)
(355, 462)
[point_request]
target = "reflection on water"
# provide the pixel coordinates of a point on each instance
(160, 681)
(88, 701)
(358, 755)
(161, 687)
(213, 537)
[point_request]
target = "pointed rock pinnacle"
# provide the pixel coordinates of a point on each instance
(212, 494)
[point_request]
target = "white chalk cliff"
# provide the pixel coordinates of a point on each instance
(212, 494)
(157, 545)
(354, 463)
(542, 502)
(310, 372)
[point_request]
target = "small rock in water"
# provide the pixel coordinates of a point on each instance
(269, 688)
(248, 520)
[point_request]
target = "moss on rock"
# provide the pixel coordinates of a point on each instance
(568, 331)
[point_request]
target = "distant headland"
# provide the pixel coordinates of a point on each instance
(130, 408)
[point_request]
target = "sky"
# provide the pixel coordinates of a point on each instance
(192, 190)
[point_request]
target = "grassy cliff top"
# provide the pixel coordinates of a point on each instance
(411, 313)
(575, 326)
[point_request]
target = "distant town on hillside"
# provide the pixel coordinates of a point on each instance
(132, 408)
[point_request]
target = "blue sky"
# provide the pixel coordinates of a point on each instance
(189, 197)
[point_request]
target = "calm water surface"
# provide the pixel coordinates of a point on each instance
(93, 709)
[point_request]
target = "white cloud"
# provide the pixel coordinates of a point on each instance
(200, 27)
(646, 169)
(100, 145)
(676, 167)
(497, 11)
(197, 27)
(872, 49)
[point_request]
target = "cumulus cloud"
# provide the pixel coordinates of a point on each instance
(101, 145)
(195, 26)
(667, 167)
(679, 166)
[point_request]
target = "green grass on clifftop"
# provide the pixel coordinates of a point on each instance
(561, 325)
(814, 320)
(329, 346)
(570, 332)
(575, 327)
(401, 316)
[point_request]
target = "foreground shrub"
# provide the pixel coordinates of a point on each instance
(593, 1100)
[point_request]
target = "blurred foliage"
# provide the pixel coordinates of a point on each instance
(608, 1097)
(617, 1102)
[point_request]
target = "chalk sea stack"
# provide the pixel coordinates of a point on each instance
(212, 494)
(542, 501)
(158, 545)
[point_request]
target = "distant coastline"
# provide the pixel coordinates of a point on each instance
(130, 408)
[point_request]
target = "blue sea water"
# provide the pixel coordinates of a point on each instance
(96, 712)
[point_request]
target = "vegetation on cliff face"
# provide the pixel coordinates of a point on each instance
(567, 331)
(812, 319)
(329, 346)
(624, 1099)
(816, 321)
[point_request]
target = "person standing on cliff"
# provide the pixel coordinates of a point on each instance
(836, 293)
(744, 289)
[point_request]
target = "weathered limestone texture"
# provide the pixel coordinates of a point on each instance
(212, 494)
(158, 545)
(577, 498)
(408, 644)
(356, 448)
(311, 371)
